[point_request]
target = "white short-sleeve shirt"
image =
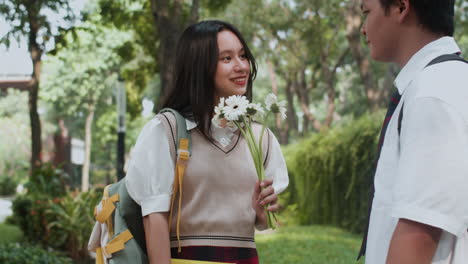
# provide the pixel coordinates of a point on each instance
(422, 174)
(150, 173)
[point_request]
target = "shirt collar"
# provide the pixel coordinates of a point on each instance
(190, 124)
(214, 127)
(444, 45)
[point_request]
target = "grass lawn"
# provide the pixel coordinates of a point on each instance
(10, 233)
(308, 245)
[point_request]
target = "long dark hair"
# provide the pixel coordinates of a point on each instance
(196, 60)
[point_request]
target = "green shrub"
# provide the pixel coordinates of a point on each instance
(72, 220)
(62, 223)
(29, 216)
(331, 173)
(45, 185)
(10, 234)
(26, 254)
(48, 180)
(7, 186)
(50, 216)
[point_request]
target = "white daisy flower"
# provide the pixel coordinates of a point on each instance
(270, 99)
(254, 110)
(236, 107)
(219, 113)
(272, 104)
(282, 109)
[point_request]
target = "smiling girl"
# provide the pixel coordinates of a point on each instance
(222, 200)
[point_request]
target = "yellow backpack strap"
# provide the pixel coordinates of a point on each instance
(182, 159)
(116, 244)
(107, 208)
(99, 256)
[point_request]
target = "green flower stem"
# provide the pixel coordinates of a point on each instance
(269, 214)
(250, 144)
(258, 158)
(245, 136)
(256, 152)
(263, 131)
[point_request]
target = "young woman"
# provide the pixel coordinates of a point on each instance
(222, 201)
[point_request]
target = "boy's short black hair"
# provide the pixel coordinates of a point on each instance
(435, 15)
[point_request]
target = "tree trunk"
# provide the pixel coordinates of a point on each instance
(292, 118)
(282, 130)
(353, 34)
(330, 77)
(302, 92)
(62, 147)
(169, 22)
(35, 52)
(87, 160)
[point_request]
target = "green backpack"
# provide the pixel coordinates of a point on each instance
(122, 215)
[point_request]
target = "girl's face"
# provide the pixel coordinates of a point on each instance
(233, 69)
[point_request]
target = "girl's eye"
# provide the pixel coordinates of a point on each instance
(243, 56)
(226, 59)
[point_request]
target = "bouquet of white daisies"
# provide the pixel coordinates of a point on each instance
(237, 111)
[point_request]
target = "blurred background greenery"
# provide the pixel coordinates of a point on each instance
(310, 53)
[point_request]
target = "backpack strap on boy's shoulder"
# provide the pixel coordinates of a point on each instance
(446, 57)
(440, 59)
(184, 148)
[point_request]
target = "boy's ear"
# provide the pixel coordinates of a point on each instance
(404, 9)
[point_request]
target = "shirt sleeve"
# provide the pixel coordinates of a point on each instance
(275, 167)
(150, 172)
(431, 184)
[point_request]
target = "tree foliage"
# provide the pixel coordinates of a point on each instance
(82, 77)
(14, 135)
(28, 19)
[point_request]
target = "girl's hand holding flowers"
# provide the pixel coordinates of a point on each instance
(264, 199)
(238, 111)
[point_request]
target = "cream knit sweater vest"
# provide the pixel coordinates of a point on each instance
(217, 191)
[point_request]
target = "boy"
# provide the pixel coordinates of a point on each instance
(419, 212)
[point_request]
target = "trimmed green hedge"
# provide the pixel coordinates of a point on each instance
(10, 233)
(331, 173)
(25, 254)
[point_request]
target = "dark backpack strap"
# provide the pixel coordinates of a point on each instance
(446, 57)
(440, 59)
(400, 118)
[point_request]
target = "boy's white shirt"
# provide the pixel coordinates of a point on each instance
(422, 174)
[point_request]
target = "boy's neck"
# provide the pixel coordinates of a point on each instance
(414, 41)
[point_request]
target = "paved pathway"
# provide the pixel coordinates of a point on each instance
(5, 209)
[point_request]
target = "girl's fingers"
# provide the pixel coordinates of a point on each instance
(271, 199)
(266, 183)
(266, 192)
(257, 188)
(273, 207)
